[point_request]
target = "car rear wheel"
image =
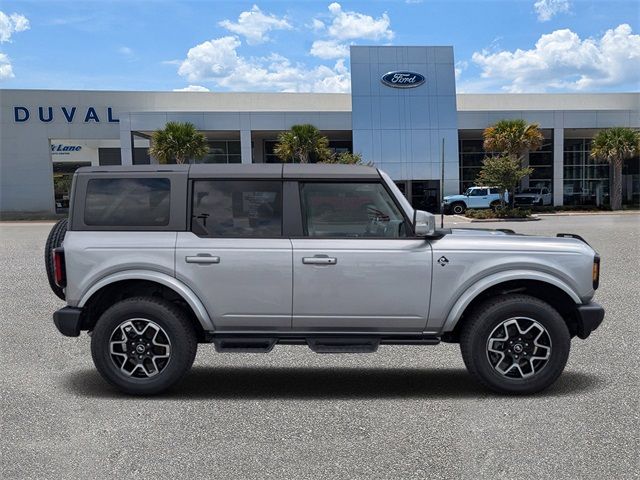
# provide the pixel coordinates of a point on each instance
(515, 344)
(143, 345)
(458, 208)
(54, 240)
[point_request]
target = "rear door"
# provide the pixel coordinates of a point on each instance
(234, 256)
(356, 265)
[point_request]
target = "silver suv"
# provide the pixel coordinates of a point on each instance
(156, 259)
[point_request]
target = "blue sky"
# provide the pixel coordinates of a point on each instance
(500, 46)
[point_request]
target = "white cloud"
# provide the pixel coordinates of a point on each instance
(327, 49)
(316, 25)
(210, 59)
(410, 2)
(254, 25)
(347, 25)
(547, 9)
(218, 61)
(561, 60)
(10, 24)
(460, 66)
(192, 88)
(126, 51)
(6, 70)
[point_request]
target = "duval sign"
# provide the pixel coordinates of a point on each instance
(402, 79)
(68, 114)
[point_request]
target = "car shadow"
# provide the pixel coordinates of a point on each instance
(250, 383)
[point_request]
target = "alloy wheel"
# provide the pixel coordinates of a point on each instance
(140, 348)
(519, 347)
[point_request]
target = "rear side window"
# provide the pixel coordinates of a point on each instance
(237, 208)
(127, 202)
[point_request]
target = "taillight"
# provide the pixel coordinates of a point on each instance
(59, 270)
(596, 272)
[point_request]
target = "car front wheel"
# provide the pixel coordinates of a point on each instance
(458, 208)
(515, 344)
(143, 345)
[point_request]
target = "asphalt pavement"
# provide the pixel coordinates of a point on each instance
(403, 412)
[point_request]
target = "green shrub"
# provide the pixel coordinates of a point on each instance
(486, 214)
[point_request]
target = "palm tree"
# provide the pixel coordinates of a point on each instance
(615, 145)
(303, 144)
(179, 142)
(513, 139)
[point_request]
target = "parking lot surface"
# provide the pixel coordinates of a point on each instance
(403, 412)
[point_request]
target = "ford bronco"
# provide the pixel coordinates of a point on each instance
(154, 260)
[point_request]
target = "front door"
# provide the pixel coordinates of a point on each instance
(478, 198)
(357, 266)
(235, 258)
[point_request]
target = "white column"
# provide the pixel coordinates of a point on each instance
(558, 166)
(245, 146)
(126, 142)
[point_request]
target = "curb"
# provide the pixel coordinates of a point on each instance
(491, 220)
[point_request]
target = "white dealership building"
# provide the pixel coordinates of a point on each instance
(402, 108)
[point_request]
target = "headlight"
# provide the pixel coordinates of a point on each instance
(445, 200)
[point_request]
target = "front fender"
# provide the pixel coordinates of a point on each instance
(487, 282)
(170, 282)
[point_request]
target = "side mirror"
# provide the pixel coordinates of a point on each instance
(424, 223)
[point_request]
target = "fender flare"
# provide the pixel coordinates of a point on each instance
(487, 282)
(170, 282)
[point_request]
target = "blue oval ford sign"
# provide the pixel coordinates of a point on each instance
(402, 79)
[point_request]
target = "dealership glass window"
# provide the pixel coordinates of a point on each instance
(62, 178)
(235, 208)
(586, 180)
(352, 210)
(127, 202)
(223, 151)
(542, 163)
(472, 154)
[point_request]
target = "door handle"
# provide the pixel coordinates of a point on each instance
(202, 259)
(319, 260)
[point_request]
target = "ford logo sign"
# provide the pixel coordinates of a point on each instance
(402, 79)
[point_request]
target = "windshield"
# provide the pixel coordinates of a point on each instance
(530, 190)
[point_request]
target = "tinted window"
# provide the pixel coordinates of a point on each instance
(230, 208)
(350, 210)
(478, 192)
(127, 202)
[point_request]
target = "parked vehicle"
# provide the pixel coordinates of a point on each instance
(155, 260)
(473, 197)
(533, 196)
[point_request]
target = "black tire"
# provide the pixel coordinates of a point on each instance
(458, 208)
(495, 205)
(490, 317)
(177, 330)
(54, 240)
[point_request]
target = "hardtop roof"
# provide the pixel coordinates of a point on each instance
(254, 170)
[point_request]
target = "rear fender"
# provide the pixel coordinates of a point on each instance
(177, 286)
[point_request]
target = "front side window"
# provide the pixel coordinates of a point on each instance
(127, 202)
(234, 208)
(350, 210)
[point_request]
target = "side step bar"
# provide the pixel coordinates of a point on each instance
(343, 344)
(319, 343)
